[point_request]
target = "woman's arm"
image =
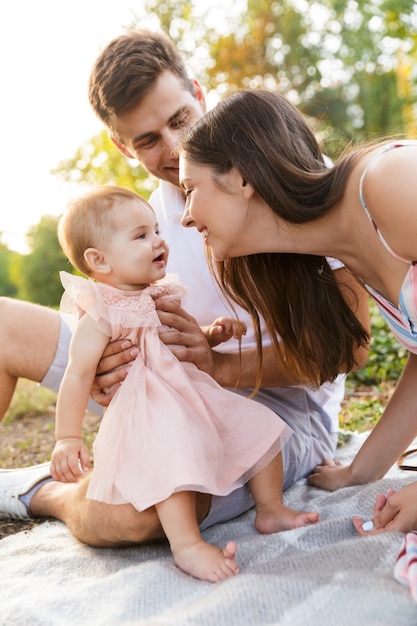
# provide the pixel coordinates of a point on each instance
(395, 430)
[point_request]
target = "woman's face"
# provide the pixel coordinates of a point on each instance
(222, 211)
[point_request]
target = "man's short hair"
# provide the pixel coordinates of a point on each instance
(127, 69)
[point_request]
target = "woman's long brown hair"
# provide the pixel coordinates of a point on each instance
(263, 136)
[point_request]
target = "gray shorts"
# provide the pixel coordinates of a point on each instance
(310, 443)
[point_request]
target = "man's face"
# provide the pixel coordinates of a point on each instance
(151, 132)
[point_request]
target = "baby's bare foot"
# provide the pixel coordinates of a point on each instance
(207, 562)
(273, 520)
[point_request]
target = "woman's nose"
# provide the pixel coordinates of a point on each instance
(186, 219)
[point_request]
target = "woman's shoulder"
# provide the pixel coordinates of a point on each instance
(389, 171)
(382, 160)
(389, 189)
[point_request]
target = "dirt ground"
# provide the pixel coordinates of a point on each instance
(29, 441)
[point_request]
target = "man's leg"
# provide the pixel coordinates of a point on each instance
(99, 524)
(34, 344)
(109, 525)
(92, 522)
(28, 339)
(104, 525)
(30, 492)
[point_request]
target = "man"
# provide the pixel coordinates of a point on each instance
(140, 89)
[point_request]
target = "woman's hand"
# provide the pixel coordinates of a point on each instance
(394, 512)
(330, 475)
(112, 370)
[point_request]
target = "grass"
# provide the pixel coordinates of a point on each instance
(362, 407)
(30, 400)
(27, 431)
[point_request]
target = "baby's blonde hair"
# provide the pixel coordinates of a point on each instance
(90, 221)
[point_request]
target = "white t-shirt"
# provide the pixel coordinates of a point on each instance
(204, 300)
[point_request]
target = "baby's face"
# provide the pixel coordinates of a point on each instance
(137, 254)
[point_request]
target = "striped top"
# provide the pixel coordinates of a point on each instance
(401, 319)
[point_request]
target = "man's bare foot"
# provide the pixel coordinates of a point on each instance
(276, 517)
(207, 562)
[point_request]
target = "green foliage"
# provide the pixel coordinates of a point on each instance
(387, 356)
(30, 400)
(362, 414)
(7, 257)
(39, 269)
(345, 64)
(99, 162)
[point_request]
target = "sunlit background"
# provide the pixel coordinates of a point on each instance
(47, 49)
(360, 59)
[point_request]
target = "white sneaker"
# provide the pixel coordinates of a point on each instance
(15, 483)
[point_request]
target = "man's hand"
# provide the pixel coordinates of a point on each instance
(112, 370)
(185, 337)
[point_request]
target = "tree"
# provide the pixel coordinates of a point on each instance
(7, 286)
(39, 270)
(348, 65)
(99, 162)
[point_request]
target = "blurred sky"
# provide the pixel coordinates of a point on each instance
(47, 49)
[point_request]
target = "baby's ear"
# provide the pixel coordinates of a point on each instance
(96, 260)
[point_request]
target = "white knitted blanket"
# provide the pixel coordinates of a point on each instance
(322, 575)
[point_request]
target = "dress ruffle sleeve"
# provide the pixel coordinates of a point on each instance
(116, 311)
(81, 296)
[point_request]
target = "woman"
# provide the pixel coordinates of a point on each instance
(256, 185)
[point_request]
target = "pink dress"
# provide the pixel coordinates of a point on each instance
(170, 427)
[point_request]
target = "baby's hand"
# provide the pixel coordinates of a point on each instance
(70, 459)
(223, 329)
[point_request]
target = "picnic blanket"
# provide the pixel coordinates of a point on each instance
(321, 575)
